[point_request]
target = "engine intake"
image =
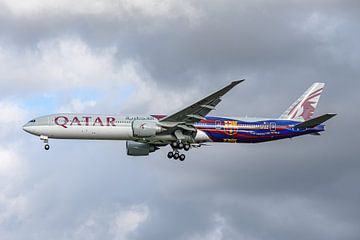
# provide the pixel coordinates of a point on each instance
(139, 149)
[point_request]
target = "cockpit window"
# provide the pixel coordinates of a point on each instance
(32, 121)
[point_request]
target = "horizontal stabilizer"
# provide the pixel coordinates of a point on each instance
(315, 121)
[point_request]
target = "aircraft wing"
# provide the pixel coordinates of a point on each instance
(197, 111)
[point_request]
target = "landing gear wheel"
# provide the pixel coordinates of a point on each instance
(170, 155)
(187, 147)
(182, 157)
(47, 147)
(174, 144)
(176, 156)
(180, 145)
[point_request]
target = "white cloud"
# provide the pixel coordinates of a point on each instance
(13, 204)
(12, 207)
(150, 94)
(68, 62)
(61, 63)
(11, 113)
(9, 163)
(128, 221)
(114, 8)
(77, 105)
(11, 120)
(121, 223)
(13, 167)
(33, 7)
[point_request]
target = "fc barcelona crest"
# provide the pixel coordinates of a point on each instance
(230, 127)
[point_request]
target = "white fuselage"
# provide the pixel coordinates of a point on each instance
(96, 127)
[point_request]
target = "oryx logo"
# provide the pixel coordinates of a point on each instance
(230, 127)
(306, 108)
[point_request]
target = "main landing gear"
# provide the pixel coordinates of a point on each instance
(180, 145)
(176, 147)
(176, 155)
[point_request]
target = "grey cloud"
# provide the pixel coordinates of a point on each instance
(305, 188)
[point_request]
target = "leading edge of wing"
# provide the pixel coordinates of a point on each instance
(197, 111)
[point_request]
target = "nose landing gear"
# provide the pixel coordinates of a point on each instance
(46, 141)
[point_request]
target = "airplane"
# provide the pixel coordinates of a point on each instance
(188, 128)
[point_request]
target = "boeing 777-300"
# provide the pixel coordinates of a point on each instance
(189, 128)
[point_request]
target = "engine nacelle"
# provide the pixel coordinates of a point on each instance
(139, 149)
(143, 128)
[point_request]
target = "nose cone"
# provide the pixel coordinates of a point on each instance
(34, 126)
(30, 127)
(26, 128)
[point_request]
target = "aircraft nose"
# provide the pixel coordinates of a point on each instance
(29, 128)
(26, 128)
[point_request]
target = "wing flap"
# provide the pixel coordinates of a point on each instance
(208, 107)
(195, 116)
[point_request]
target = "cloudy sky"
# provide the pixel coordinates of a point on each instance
(155, 56)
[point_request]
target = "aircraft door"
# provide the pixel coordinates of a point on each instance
(273, 126)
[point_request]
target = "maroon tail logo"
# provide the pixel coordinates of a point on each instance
(307, 106)
(308, 110)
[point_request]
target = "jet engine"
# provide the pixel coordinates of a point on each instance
(143, 128)
(139, 149)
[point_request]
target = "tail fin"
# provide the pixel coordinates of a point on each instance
(304, 107)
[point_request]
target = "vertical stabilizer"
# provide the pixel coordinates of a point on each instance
(303, 109)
